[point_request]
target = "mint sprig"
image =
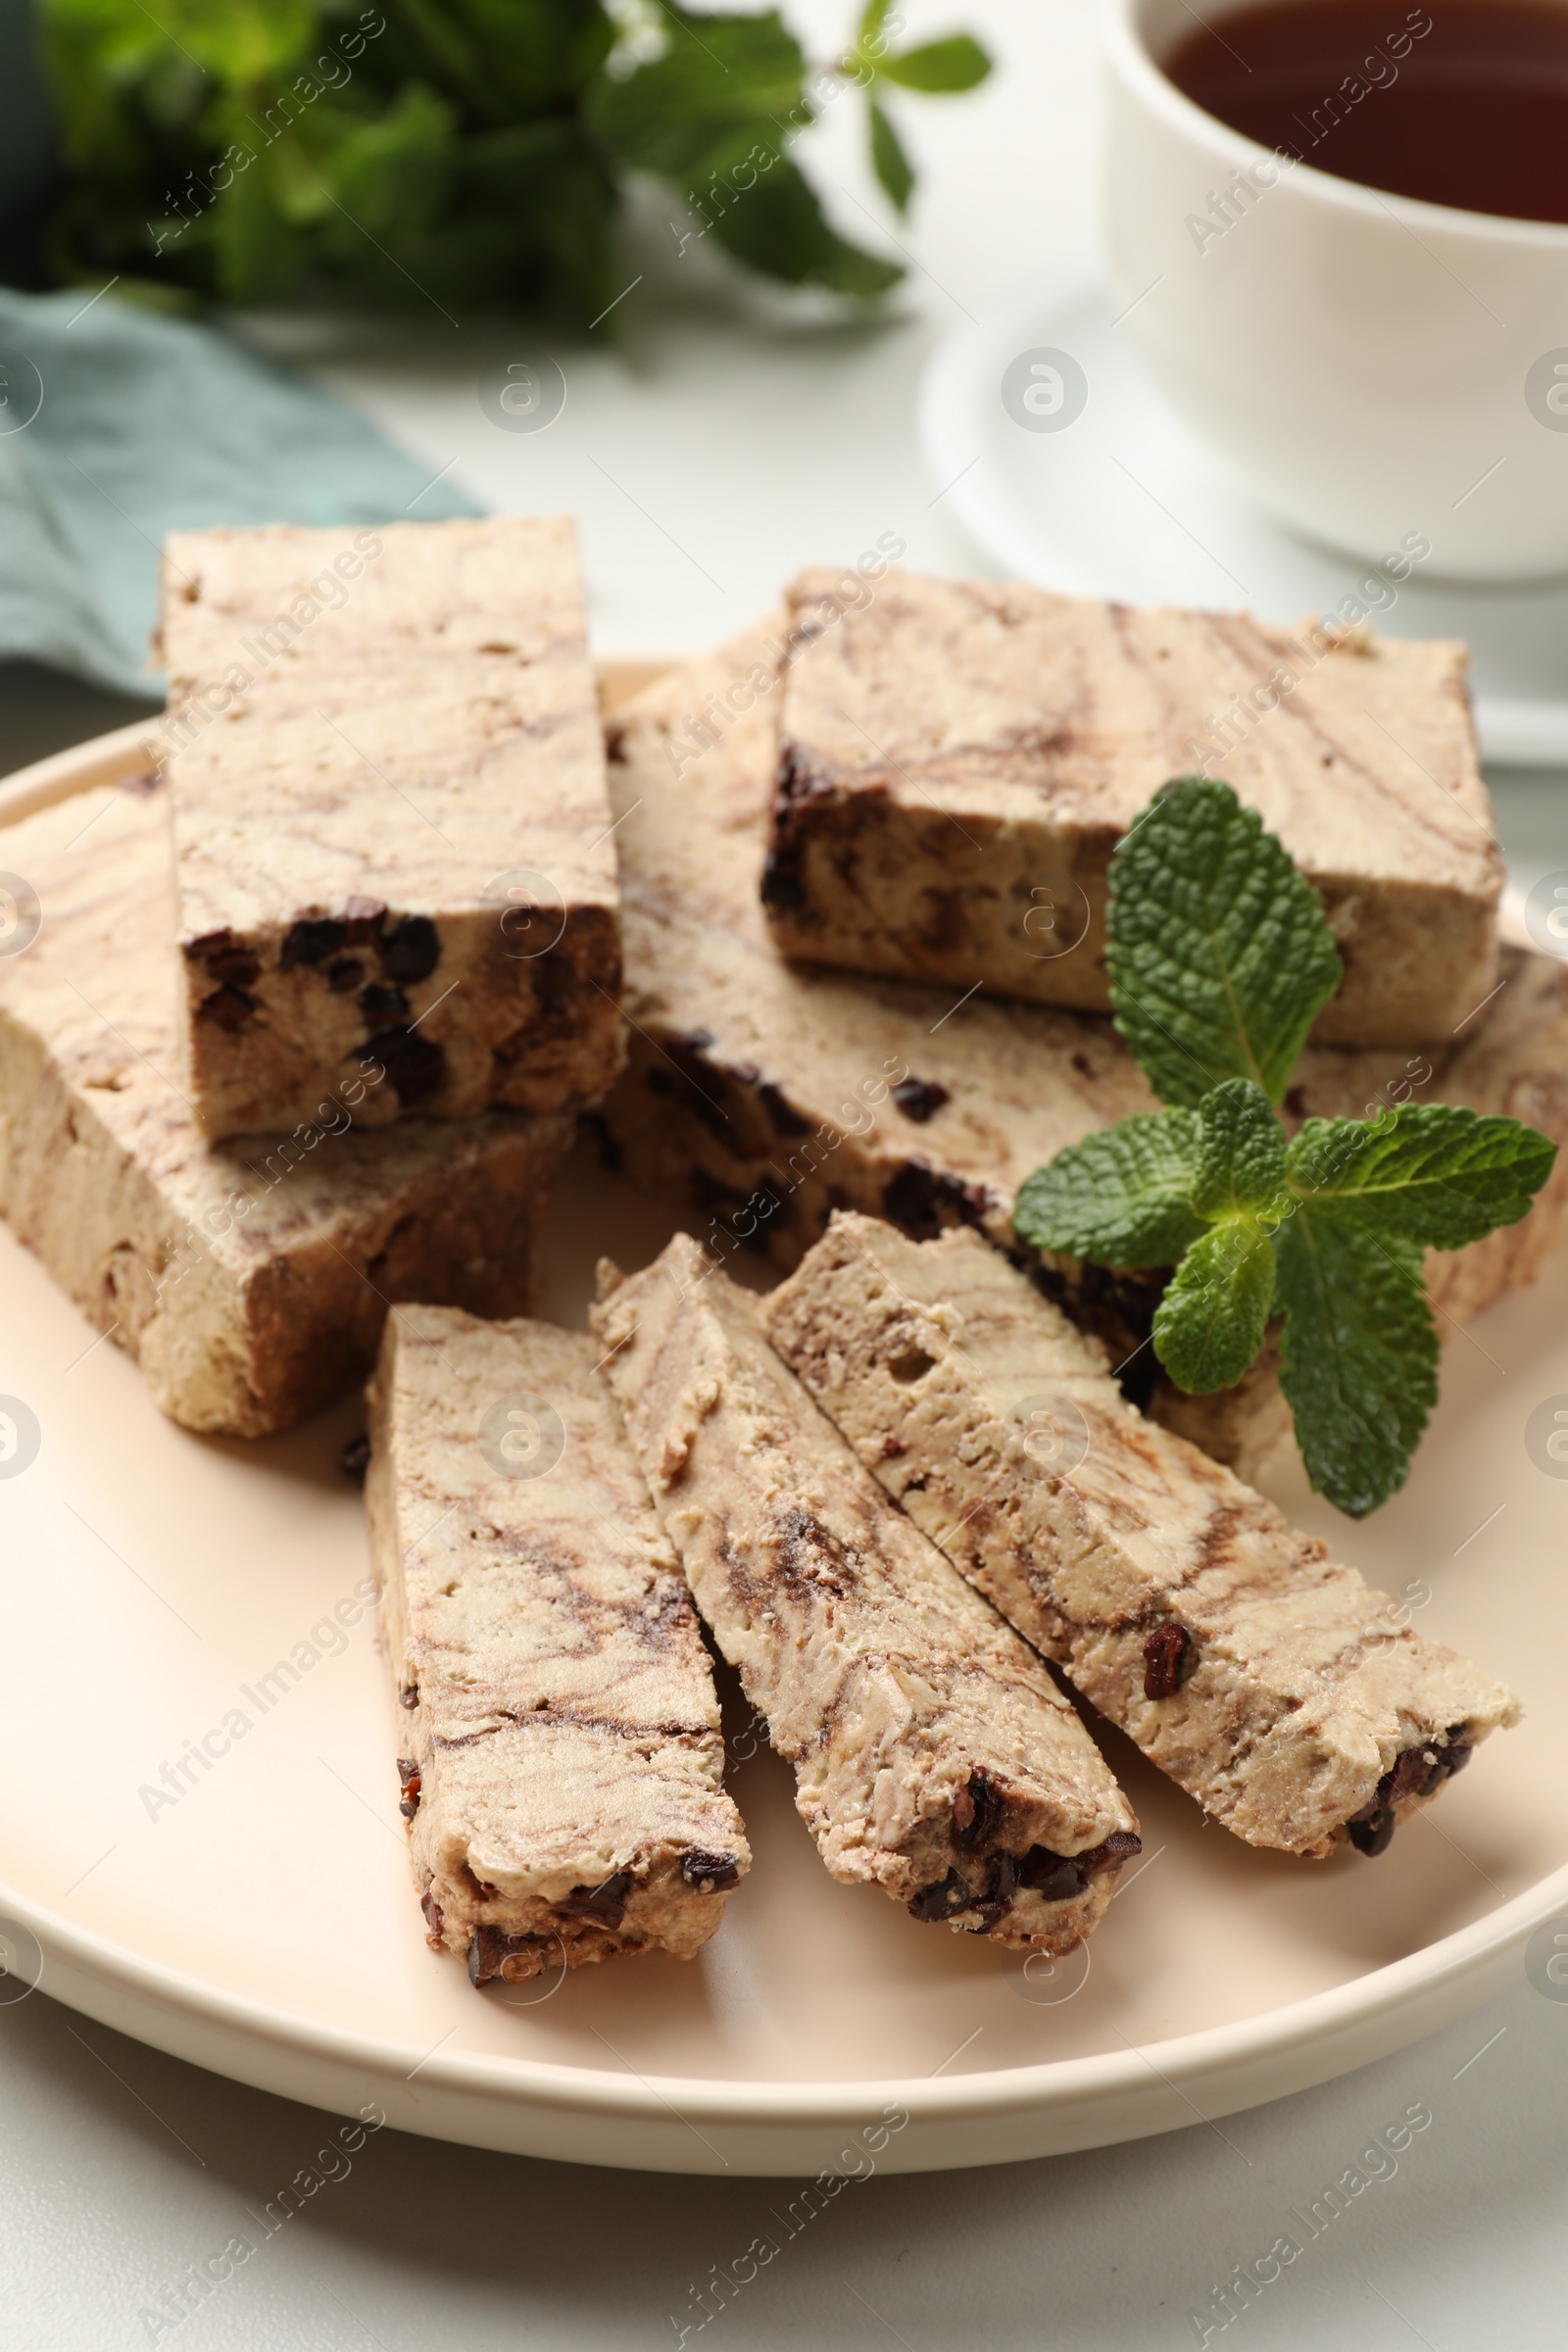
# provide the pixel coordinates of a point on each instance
(1221, 958)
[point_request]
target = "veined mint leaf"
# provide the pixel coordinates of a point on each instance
(1358, 1354)
(1122, 1198)
(1435, 1172)
(1241, 1165)
(1220, 954)
(1209, 1325)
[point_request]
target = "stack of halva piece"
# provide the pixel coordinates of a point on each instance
(285, 1049)
(306, 1033)
(831, 1061)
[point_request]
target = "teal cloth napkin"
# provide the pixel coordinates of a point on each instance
(148, 424)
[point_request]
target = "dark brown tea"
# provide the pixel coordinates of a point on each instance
(1465, 102)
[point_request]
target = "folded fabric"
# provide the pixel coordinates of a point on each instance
(118, 426)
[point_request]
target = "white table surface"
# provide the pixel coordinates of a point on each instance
(724, 440)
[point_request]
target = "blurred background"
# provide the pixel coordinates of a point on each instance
(719, 425)
(482, 269)
(449, 198)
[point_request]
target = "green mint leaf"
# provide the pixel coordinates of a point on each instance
(436, 51)
(488, 139)
(1122, 1198)
(954, 64)
(1358, 1354)
(389, 177)
(511, 59)
(242, 44)
(1220, 955)
(1241, 1166)
(1432, 1172)
(1209, 1325)
(778, 227)
(888, 159)
(722, 75)
(252, 251)
(714, 114)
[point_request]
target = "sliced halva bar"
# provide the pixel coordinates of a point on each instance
(390, 821)
(561, 1762)
(1266, 1679)
(761, 1094)
(250, 1278)
(960, 758)
(934, 1756)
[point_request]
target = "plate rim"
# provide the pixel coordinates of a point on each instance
(1347, 2025)
(1514, 732)
(599, 2091)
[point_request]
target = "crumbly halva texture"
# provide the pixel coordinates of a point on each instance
(392, 834)
(250, 1278)
(763, 1095)
(559, 1763)
(960, 758)
(934, 1756)
(1270, 1681)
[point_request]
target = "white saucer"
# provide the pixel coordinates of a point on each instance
(1123, 501)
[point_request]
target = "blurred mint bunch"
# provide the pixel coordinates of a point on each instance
(466, 150)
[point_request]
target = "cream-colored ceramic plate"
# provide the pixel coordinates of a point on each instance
(263, 1924)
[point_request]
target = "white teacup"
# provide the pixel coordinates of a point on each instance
(1371, 366)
